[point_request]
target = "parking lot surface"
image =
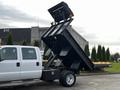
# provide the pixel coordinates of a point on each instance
(95, 82)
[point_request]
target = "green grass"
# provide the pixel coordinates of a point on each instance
(114, 69)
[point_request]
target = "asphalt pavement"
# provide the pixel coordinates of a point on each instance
(95, 82)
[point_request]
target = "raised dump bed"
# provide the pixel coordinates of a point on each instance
(64, 46)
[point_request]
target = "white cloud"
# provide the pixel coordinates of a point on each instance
(12, 15)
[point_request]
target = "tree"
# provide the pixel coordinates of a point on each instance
(24, 42)
(112, 57)
(116, 56)
(86, 50)
(103, 54)
(99, 53)
(93, 54)
(9, 39)
(108, 54)
(36, 43)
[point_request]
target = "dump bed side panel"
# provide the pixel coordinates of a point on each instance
(77, 37)
(81, 56)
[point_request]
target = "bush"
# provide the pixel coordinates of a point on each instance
(9, 39)
(36, 43)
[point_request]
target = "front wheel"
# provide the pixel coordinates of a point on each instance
(67, 78)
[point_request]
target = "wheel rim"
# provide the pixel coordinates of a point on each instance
(70, 79)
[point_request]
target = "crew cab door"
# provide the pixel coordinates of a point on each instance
(9, 64)
(31, 63)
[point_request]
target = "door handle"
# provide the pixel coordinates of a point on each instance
(18, 64)
(37, 64)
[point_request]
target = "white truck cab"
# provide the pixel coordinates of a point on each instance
(20, 62)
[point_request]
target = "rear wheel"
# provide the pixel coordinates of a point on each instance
(67, 78)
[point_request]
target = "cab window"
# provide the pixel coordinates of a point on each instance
(28, 53)
(9, 53)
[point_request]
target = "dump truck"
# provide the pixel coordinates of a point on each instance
(24, 63)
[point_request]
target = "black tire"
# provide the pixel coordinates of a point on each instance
(67, 78)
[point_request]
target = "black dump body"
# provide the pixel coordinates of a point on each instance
(65, 47)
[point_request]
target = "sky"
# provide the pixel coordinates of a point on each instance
(98, 21)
